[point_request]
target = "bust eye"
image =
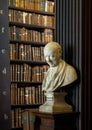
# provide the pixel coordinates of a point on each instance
(52, 56)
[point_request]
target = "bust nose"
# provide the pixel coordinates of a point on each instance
(47, 58)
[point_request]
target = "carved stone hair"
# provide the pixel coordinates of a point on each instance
(55, 46)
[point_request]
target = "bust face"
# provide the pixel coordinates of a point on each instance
(52, 57)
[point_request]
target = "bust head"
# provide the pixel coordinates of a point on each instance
(59, 73)
(52, 53)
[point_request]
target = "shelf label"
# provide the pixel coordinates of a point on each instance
(5, 116)
(3, 29)
(4, 92)
(3, 51)
(1, 11)
(4, 71)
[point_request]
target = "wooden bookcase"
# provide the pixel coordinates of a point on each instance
(31, 26)
(71, 32)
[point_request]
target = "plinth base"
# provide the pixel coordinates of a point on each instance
(55, 102)
(32, 119)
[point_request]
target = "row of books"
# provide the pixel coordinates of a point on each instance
(26, 52)
(30, 18)
(26, 95)
(23, 34)
(27, 73)
(29, 121)
(16, 117)
(41, 5)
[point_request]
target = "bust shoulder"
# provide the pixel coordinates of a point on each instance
(70, 75)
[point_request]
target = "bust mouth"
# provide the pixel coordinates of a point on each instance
(53, 65)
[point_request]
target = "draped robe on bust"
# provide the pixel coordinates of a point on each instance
(58, 76)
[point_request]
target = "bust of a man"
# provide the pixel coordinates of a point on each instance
(59, 73)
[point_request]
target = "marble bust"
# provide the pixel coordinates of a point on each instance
(59, 73)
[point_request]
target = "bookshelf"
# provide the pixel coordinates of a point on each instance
(31, 26)
(71, 32)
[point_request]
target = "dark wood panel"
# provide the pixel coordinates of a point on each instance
(5, 116)
(86, 65)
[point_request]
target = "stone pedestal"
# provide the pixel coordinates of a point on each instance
(55, 102)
